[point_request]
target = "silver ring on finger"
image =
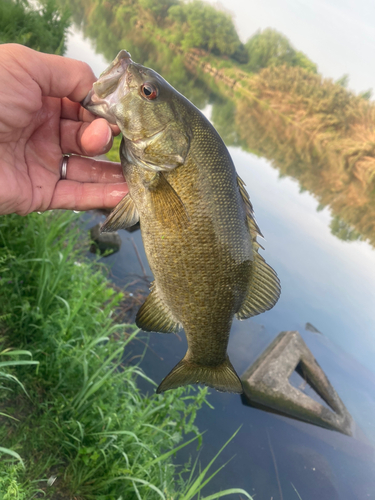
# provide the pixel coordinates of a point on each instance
(64, 167)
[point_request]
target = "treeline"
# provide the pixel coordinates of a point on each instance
(113, 25)
(311, 128)
(196, 25)
(319, 133)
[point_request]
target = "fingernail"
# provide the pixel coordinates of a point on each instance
(109, 135)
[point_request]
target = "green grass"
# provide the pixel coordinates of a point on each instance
(78, 414)
(7, 361)
(114, 153)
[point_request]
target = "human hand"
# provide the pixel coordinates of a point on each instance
(40, 121)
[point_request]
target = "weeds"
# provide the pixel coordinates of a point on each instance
(5, 378)
(83, 430)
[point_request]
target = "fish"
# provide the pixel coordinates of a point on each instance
(196, 220)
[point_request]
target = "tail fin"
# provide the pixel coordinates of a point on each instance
(223, 377)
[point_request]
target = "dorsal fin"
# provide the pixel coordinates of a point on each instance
(254, 229)
(264, 287)
(154, 315)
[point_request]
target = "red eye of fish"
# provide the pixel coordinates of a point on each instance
(149, 91)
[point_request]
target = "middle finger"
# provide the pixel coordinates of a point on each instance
(82, 138)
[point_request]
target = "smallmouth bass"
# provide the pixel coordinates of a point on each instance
(196, 220)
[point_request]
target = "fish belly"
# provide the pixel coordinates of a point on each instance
(199, 275)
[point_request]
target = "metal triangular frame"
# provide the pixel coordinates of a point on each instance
(266, 385)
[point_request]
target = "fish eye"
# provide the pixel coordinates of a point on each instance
(149, 91)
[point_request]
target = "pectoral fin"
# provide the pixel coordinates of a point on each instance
(167, 205)
(264, 286)
(154, 315)
(124, 215)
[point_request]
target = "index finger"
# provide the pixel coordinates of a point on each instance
(74, 111)
(56, 76)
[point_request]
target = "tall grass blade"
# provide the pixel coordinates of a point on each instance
(169, 453)
(295, 489)
(200, 481)
(140, 481)
(13, 454)
(231, 491)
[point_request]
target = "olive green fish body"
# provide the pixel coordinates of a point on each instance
(201, 266)
(197, 227)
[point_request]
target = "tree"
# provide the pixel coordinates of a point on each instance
(343, 231)
(158, 8)
(300, 59)
(343, 81)
(203, 26)
(42, 29)
(270, 48)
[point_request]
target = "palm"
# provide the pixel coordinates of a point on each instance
(37, 130)
(31, 157)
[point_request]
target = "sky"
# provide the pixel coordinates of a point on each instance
(338, 35)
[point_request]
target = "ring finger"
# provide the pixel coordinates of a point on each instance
(93, 171)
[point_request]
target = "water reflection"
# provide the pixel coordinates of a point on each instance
(273, 454)
(311, 130)
(326, 282)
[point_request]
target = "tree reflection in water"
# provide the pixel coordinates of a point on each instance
(311, 129)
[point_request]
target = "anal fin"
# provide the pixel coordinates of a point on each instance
(154, 315)
(125, 214)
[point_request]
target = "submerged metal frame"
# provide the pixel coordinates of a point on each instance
(266, 385)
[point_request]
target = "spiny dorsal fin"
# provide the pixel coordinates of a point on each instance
(154, 315)
(166, 203)
(223, 377)
(125, 214)
(249, 209)
(264, 286)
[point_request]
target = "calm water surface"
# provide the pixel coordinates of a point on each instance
(326, 282)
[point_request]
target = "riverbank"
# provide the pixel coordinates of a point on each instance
(79, 427)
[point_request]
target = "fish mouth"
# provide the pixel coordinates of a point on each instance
(109, 87)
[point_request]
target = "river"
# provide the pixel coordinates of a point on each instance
(326, 282)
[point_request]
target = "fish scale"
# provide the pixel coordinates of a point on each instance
(196, 220)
